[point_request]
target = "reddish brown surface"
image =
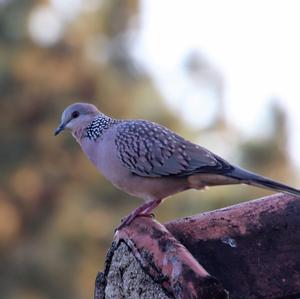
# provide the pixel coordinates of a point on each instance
(168, 261)
(253, 248)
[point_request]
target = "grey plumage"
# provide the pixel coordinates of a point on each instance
(151, 150)
(150, 161)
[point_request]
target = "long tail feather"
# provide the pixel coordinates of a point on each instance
(253, 179)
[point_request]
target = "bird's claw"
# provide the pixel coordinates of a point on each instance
(128, 219)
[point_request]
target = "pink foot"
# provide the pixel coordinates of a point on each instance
(143, 210)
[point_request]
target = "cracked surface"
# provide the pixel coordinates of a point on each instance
(127, 279)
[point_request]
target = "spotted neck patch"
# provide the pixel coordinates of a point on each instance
(98, 126)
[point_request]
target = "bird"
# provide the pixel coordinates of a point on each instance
(149, 161)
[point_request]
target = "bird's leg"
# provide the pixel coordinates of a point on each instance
(151, 207)
(143, 210)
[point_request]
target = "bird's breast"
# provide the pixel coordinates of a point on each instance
(102, 153)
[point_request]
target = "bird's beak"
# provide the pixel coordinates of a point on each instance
(59, 129)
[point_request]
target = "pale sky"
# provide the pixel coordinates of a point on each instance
(255, 45)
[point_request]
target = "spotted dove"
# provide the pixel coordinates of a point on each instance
(150, 161)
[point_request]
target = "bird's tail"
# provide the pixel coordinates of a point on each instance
(253, 179)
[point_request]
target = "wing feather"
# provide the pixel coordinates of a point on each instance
(150, 150)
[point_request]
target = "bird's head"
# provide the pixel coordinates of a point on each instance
(76, 115)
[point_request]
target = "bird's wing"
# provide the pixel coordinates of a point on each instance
(150, 150)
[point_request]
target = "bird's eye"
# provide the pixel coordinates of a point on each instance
(75, 114)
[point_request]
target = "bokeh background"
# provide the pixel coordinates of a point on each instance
(225, 75)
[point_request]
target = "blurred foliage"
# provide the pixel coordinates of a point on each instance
(57, 214)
